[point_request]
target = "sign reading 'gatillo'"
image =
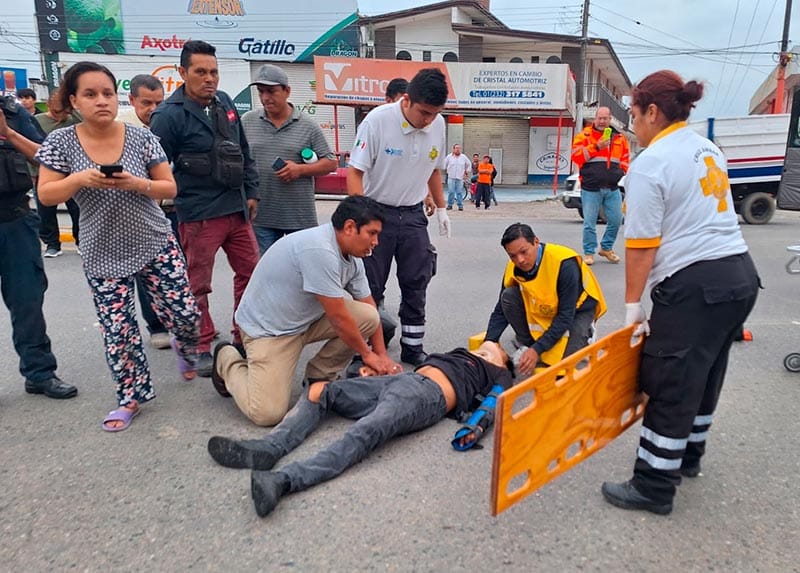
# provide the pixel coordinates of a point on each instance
(249, 29)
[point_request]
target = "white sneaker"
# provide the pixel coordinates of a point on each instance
(52, 253)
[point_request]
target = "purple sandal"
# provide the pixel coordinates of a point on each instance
(187, 370)
(120, 415)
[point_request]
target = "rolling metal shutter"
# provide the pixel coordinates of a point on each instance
(301, 80)
(512, 135)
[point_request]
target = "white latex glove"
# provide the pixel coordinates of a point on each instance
(634, 314)
(444, 222)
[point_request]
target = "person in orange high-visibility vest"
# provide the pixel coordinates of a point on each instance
(484, 191)
(602, 154)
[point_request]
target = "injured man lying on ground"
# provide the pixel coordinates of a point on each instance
(449, 384)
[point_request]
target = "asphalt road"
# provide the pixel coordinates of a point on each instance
(73, 497)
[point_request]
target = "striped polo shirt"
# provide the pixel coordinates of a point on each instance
(287, 206)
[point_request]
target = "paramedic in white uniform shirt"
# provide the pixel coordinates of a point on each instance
(684, 245)
(396, 159)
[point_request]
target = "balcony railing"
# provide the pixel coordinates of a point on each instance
(596, 95)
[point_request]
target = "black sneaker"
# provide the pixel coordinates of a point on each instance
(413, 355)
(267, 488)
(216, 379)
(239, 454)
(204, 364)
(626, 496)
(690, 470)
(53, 387)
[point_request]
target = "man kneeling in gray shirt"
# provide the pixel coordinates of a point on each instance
(296, 296)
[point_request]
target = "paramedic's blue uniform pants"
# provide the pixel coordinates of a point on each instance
(405, 238)
(23, 283)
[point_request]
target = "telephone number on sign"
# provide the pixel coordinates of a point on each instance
(533, 94)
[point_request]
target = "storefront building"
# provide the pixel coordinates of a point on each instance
(135, 37)
(465, 31)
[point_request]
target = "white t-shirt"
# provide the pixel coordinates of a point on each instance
(457, 166)
(678, 199)
(397, 159)
(128, 115)
(281, 297)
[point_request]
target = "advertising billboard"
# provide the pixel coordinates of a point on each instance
(243, 29)
(234, 76)
(473, 86)
(12, 79)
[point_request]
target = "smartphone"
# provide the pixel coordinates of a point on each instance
(109, 170)
(278, 164)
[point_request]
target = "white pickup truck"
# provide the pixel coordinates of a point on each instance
(754, 145)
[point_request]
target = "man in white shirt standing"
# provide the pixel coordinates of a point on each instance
(400, 146)
(459, 169)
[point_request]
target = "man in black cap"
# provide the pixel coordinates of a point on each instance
(290, 149)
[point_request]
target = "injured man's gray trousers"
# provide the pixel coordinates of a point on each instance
(383, 407)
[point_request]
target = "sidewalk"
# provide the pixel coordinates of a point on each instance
(523, 193)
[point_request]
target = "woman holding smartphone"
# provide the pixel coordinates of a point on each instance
(116, 173)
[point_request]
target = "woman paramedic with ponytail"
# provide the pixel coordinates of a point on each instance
(684, 245)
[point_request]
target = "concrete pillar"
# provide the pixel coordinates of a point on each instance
(455, 131)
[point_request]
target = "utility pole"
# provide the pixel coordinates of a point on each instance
(783, 62)
(580, 80)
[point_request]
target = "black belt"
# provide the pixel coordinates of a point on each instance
(415, 207)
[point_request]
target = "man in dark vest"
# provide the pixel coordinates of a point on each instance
(21, 269)
(202, 135)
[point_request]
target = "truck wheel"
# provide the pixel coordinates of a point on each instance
(758, 208)
(792, 362)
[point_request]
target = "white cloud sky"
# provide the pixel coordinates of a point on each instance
(677, 34)
(647, 36)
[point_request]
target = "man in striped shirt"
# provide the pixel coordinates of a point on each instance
(279, 130)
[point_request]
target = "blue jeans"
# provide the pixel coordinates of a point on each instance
(611, 201)
(23, 282)
(383, 407)
(267, 236)
(455, 191)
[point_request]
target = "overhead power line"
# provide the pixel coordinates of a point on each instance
(749, 63)
(722, 71)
